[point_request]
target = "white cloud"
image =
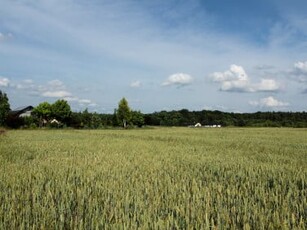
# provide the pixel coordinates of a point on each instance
(135, 84)
(93, 105)
(269, 102)
(236, 80)
(179, 79)
(85, 101)
(56, 84)
(54, 88)
(234, 73)
(59, 94)
(4, 82)
(71, 99)
(267, 85)
(81, 102)
(301, 66)
(299, 71)
(27, 84)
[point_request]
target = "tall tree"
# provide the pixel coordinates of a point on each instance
(123, 112)
(42, 112)
(61, 110)
(137, 118)
(115, 118)
(4, 108)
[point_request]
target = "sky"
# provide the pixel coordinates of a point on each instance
(227, 55)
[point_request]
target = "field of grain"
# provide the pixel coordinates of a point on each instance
(162, 178)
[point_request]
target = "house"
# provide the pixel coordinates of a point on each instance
(54, 121)
(213, 126)
(197, 125)
(22, 111)
(15, 118)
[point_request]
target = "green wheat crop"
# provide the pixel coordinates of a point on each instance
(163, 178)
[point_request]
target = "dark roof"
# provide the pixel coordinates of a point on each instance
(21, 110)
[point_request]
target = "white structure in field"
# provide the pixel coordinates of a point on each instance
(54, 121)
(197, 125)
(213, 126)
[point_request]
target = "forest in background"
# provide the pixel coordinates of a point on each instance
(124, 116)
(184, 118)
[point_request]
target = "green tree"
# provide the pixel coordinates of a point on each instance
(75, 120)
(42, 111)
(4, 108)
(115, 118)
(123, 112)
(137, 118)
(86, 119)
(61, 111)
(95, 121)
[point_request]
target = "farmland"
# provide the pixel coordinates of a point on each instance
(160, 178)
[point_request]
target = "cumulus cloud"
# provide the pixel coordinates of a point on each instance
(86, 102)
(4, 82)
(54, 88)
(81, 102)
(299, 71)
(301, 66)
(135, 84)
(267, 85)
(236, 80)
(45, 89)
(56, 84)
(58, 94)
(234, 73)
(179, 79)
(93, 104)
(57, 89)
(27, 84)
(71, 99)
(269, 102)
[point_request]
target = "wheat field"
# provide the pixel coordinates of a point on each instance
(159, 178)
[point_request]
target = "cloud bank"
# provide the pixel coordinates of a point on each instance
(299, 71)
(54, 89)
(269, 102)
(236, 80)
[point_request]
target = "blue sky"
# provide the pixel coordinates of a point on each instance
(231, 55)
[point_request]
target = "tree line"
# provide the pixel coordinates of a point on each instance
(59, 114)
(185, 117)
(45, 113)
